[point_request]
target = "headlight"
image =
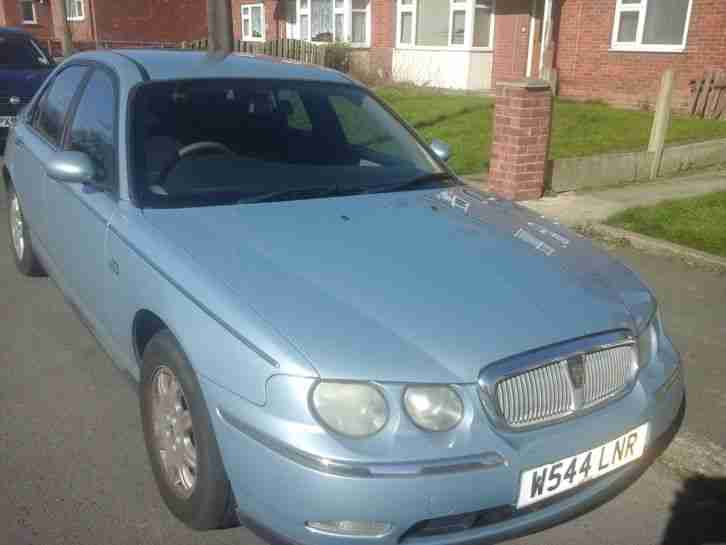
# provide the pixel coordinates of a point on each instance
(648, 343)
(348, 408)
(433, 408)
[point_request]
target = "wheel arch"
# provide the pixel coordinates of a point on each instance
(7, 179)
(145, 325)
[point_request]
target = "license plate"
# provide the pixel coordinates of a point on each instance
(7, 121)
(549, 480)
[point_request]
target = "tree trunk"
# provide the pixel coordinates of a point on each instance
(219, 21)
(64, 29)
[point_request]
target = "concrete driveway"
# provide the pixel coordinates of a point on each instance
(73, 468)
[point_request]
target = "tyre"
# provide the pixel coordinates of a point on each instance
(180, 441)
(20, 244)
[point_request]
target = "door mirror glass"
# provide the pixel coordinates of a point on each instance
(441, 149)
(71, 167)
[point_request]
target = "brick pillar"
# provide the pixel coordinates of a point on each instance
(522, 121)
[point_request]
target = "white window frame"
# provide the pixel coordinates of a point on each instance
(347, 11)
(469, 7)
(246, 15)
(641, 8)
(34, 21)
(75, 10)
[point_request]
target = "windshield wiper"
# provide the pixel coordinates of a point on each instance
(422, 180)
(292, 193)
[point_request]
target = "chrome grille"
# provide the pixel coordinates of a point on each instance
(606, 373)
(547, 393)
(537, 396)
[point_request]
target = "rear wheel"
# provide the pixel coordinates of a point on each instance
(22, 247)
(182, 447)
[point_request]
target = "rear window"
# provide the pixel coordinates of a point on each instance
(224, 141)
(21, 52)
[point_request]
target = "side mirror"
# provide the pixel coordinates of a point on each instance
(441, 149)
(71, 167)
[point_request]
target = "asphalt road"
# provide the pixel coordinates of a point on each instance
(693, 306)
(73, 469)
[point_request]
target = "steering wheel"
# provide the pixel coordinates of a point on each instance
(192, 149)
(198, 147)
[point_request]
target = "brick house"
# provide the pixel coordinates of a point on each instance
(115, 21)
(614, 50)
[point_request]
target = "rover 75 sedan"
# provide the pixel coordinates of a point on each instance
(335, 339)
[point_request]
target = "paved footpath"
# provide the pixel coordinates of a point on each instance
(576, 208)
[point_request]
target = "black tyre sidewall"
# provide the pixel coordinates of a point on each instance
(29, 264)
(209, 505)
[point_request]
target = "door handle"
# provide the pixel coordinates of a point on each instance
(19, 142)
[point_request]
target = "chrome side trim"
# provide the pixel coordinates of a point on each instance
(492, 375)
(486, 460)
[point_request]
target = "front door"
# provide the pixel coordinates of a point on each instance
(79, 214)
(291, 19)
(539, 38)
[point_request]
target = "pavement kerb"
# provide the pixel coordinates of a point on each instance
(650, 244)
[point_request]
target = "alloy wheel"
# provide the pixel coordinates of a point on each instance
(17, 227)
(174, 432)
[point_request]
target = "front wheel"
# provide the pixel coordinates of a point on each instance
(180, 441)
(22, 247)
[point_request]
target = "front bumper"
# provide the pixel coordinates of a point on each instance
(531, 520)
(277, 495)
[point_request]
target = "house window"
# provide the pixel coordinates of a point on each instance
(28, 13)
(75, 10)
(253, 23)
(651, 25)
(466, 24)
(335, 21)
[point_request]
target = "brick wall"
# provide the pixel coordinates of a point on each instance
(383, 37)
(150, 20)
(518, 160)
(511, 39)
(274, 18)
(587, 69)
(10, 16)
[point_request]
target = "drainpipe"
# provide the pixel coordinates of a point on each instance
(92, 16)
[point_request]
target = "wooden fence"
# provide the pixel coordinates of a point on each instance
(297, 50)
(708, 96)
(54, 46)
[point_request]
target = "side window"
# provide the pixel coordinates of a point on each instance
(297, 115)
(94, 126)
(54, 105)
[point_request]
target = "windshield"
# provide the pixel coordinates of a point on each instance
(21, 52)
(224, 141)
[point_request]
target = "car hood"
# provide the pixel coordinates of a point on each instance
(420, 286)
(21, 82)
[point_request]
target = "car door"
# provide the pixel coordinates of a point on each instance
(79, 213)
(37, 138)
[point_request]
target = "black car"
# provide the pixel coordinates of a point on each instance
(24, 65)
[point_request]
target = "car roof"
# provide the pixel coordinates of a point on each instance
(5, 30)
(172, 64)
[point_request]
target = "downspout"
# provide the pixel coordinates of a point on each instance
(92, 15)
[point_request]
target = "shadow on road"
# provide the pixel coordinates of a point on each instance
(698, 515)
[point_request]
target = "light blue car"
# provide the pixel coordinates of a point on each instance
(335, 340)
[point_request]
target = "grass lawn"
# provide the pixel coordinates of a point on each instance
(698, 222)
(465, 122)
